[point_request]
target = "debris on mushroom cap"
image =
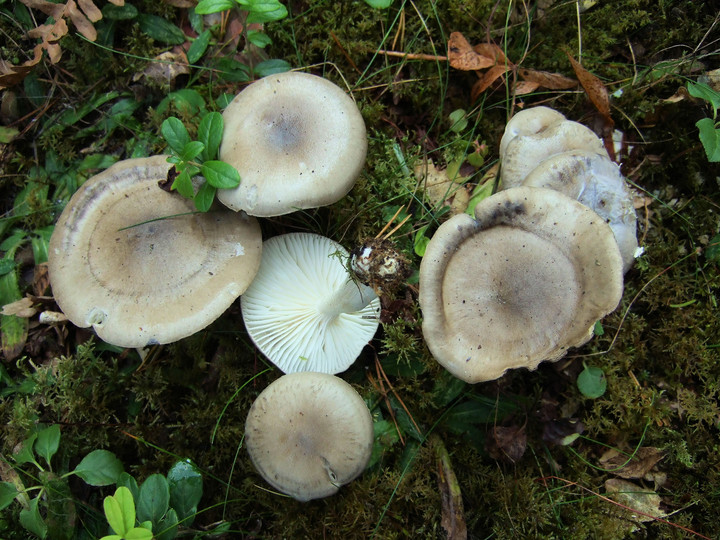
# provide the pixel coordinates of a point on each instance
(303, 310)
(596, 182)
(519, 284)
(297, 140)
(140, 265)
(308, 434)
(524, 152)
(529, 122)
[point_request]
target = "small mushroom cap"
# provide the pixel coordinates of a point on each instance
(308, 434)
(529, 122)
(519, 284)
(139, 265)
(524, 152)
(303, 310)
(297, 140)
(596, 182)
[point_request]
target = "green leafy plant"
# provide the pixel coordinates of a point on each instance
(709, 127)
(193, 157)
(120, 514)
(592, 382)
(259, 11)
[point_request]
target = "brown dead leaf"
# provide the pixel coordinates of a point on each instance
(525, 87)
(617, 463)
(90, 10)
(489, 77)
(81, 22)
(490, 50)
(166, 67)
(442, 189)
(507, 443)
(22, 308)
(453, 516)
(48, 8)
(551, 81)
(643, 504)
(594, 88)
(462, 56)
(41, 279)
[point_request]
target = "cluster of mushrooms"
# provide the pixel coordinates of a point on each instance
(518, 284)
(540, 262)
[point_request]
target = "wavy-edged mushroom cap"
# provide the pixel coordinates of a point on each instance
(525, 151)
(596, 182)
(519, 284)
(303, 310)
(529, 122)
(297, 140)
(308, 434)
(139, 265)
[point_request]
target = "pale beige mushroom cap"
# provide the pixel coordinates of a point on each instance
(519, 284)
(308, 434)
(140, 280)
(303, 310)
(529, 122)
(525, 151)
(297, 140)
(596, 182)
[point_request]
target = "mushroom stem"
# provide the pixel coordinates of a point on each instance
(345, 300)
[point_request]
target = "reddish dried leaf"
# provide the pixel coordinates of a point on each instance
(81, 22)
(489, 77)
(620, 465)
(453, 516)
(90, 10)
(117, 2)
(490, 50)
(462, 56)
(11, 75)
(41, 279)
(594, 88)
(525, 87)
(48, 8)
(507, 443)
(50, 32)
(551, 81)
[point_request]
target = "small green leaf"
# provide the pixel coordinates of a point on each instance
(188, 101)
(153, 500)
(592, 382)
(199, 46)
(266, 12)
(224, 99)
(31, 519)
(99, 468)
(119, 13)
(268, 67)
(598, 329)
(192, 150)
(420, 241)
(183, 185)
(47, 442)
(120, 510)
(6, 266)
(186, 488)
(25, 455)
(8, 492)
(7, 134)
(139, 533)
(710, 138)
(129, 482)
(206, 7)
(175, 134)
(210, 133)
(259, 38)
(703, 91)
(458, 120)
(205, 197)
(712, 251)
(160, 29)
(220, 174)
(168, 527)
(379, 4)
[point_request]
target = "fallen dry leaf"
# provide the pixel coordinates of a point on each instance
(441, 189)
(525, 87)
(617, 463)
(643, 504)
(594, 88)
(165, 67)
(490, 50)
(551, 81)
(452, 518)
(22, 308)
(462, 56)
(507, 443)
(489, 77)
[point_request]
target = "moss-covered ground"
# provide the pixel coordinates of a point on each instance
(517, 472)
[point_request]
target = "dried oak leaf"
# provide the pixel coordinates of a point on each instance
(594, 88)
(545, 79)
(640, 465)
(462, 56)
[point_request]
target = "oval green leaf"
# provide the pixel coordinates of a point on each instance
(153, 500)
(160, 29)
(99, 468)
(210, 133)
(175, 134)
(220, 174)
(592, 382)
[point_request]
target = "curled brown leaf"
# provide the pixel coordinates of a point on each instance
(594, 88)
(462, 56)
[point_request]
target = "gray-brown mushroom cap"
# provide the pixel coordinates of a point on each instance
(308, 434)
(297, 140)
(529, 122)
(139, 265)
(519, 284)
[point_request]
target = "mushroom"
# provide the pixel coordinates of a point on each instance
(596, 182)
(529, 122)
(525, 151)
(303, 310)
(308, 434)
(139, 265)
(519, 284)
(297, 140)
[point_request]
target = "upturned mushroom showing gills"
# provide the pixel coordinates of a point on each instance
(519, 284)
(139, 265)
(297, 140)
(308, 434)
(303, 310)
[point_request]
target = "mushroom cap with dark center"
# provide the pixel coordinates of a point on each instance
(308, 434)
(519, 284)
(297, 140)
(139, 265)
